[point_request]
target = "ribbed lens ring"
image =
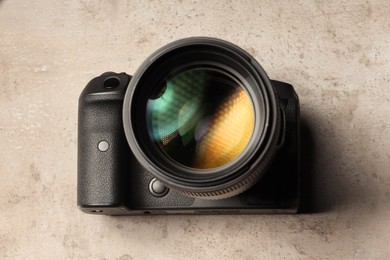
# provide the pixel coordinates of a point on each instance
(201, 115)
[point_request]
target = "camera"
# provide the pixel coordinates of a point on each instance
(198, 129)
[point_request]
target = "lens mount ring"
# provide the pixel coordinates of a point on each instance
(219, 182)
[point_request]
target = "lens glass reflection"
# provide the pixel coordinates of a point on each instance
(201, 118)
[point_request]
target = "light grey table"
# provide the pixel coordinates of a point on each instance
(335, 53)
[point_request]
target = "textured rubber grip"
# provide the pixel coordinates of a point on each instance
(102, 168)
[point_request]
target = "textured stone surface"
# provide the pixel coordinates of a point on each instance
(336, 54)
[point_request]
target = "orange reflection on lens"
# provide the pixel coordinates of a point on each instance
(229, 132)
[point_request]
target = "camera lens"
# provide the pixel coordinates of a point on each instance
(201, 115)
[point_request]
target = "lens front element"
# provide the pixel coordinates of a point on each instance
(200, 117)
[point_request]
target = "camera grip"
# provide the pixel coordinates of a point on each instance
(102, 147)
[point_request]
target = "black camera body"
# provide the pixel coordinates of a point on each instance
(112, 181)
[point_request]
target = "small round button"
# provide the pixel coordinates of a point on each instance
(157, 188)
(103, 146)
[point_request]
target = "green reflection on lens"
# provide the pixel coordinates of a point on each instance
(178, 108)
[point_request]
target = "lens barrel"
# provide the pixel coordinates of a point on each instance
(201, 115)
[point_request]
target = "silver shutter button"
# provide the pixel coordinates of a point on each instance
(103, 146)
(157, 188)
